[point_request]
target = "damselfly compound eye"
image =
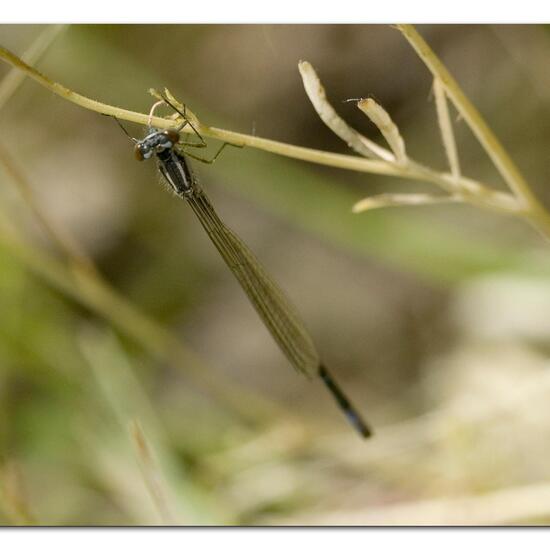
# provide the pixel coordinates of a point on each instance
(172, 135)
(141, 152)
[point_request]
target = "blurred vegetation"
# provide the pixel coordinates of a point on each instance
(160, 398)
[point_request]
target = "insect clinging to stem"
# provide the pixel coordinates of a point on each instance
(277, 313)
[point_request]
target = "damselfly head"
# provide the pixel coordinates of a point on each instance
(143, 150)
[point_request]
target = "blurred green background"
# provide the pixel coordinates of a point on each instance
(434, 319)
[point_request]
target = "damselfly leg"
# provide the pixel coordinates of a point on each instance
(185, 119)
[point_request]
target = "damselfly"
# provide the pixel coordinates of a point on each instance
(275, 310)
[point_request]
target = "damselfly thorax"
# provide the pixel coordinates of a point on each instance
(173, 165)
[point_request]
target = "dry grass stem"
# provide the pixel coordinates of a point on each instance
(380, 117)
(317, 95)
(11, 82)
(534, 211)
(446, 127)
(152, 476)
(401, 199)
(471, 191)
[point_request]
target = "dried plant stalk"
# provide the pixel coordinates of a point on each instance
(446, 127)
(318, 97)
(401, 199)
(380, 117)
(151, 474)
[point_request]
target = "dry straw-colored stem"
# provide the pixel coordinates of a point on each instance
(533, 211)
(401, 199)
(472, 191)
(11, 82)
(446, 127)
(380, 117)
(318, 97)
(152, 476)
(302, 153)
